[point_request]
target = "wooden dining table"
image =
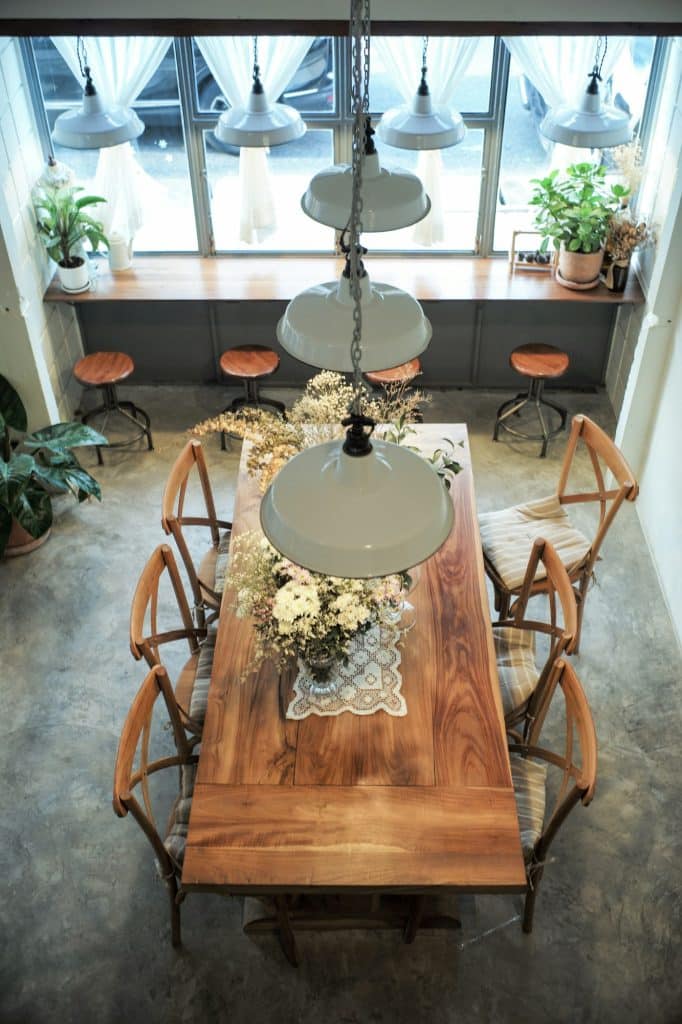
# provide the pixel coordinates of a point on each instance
(420, 804)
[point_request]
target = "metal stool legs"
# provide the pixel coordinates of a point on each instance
(128, 410)
(513, 407)
(253, 399)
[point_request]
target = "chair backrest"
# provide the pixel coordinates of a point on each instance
(173, 519)
(145, 638)
(577, 761)
(600, 447)
(135, 740)
(562, 634)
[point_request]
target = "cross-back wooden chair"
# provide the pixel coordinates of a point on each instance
(507, 535)
(208, 580)
(522, 683)
(131, 783)
(577, 763)
(191, 689)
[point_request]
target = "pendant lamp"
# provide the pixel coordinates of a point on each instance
(391, 198)
(357, 508)
(590, 125)
(260, 123)
(421, 125)
(317, 324)
(92, 125)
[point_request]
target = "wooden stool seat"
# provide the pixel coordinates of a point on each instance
(538, 360)
(101, 368)
(402, 374)
(249, 361)
(105, 370)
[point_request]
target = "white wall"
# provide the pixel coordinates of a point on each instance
(40, 343)
(648, 429)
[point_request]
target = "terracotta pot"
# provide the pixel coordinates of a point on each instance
(580, 267)
(74, 279)
(21, 542)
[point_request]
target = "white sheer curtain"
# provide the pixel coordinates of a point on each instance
(121, 68)
(230, 61)
(558, 67)
(448, 60)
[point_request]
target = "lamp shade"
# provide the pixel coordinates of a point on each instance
(260, 123)
(589, 126)
(317, 324)
(421, 125)
(391, 198)
(94, 126)
(357, 517)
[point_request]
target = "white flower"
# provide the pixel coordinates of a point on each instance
(295, 606)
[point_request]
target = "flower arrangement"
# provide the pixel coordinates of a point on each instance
(300, 613)
(624, 235)
(313, 419)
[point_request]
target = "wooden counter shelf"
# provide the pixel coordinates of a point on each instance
(252, 279)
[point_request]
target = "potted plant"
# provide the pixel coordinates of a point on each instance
(63, 226)
(573, 211)
(33, 466)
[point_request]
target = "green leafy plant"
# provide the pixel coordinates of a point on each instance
(576, 209)
(441, 458)
(34, 464)
(63, 225)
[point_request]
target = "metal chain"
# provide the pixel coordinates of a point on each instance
(256, 69)
(82, 55)
(425, 50)
(359, 32)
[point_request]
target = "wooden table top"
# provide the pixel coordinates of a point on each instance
(234, 278)
(423, 802)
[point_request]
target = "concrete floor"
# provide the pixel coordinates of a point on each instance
(83, 918)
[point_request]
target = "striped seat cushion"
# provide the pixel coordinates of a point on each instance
(507, 537)
(516, 668)
(199, 699)
(529, 779)
(222, 562)
(176, 837)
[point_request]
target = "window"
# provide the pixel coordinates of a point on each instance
(192, 183)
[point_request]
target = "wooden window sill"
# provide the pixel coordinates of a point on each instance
(233, 279)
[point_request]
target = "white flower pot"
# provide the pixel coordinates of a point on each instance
(579, 268)
(75, 279)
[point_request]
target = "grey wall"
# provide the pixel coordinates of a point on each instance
(182, 341)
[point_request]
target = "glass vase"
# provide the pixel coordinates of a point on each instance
(321, 672)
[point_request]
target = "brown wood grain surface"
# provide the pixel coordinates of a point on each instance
(231, 278)
(249, 361)
(103, 368)
(539, 360)
(448, 751)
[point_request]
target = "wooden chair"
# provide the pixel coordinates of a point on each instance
(522, 684)
(135, 740)
(507, 535)
(208, 581)
(529, 762)
(191, 689)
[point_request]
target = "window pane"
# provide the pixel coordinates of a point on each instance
(291, 168)
(526, 153)
(311, 90)
(472, 92)
(160, 150)
(460, 191)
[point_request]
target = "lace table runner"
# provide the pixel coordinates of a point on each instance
(370, 682)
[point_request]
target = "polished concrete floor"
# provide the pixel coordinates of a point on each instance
(83, 917)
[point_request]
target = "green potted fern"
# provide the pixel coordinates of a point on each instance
(573, 212)
(32, 468)
(63, 225)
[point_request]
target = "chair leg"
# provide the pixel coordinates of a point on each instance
(413, 921)
(504, 603)
(534, 876)
(176, 938)
(286, 934)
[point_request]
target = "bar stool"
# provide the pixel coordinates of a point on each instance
(104, 370)
(251, 363)
(402, 374)
(538, 362)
